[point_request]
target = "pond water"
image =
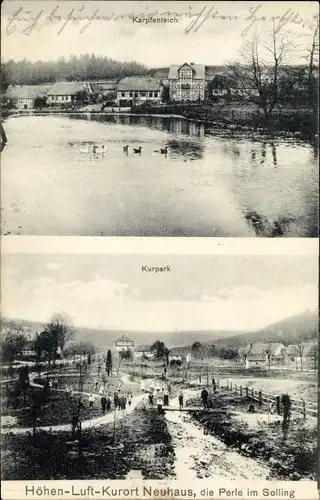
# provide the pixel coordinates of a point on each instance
(210, 183)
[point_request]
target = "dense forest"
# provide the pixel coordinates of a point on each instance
(76, 68)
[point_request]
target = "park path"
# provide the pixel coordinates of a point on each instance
(88, 423)
(205, 456)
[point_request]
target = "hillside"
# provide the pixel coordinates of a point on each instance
(287, 331)
(105, 338)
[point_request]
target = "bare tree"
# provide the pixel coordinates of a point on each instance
(257, 74)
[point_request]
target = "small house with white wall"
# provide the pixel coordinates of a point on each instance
(144, 351)
(182, 354)
(138, 89)
(67, 92)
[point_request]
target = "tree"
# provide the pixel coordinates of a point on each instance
(197, 350)
(40, 102)
(12, 341)
(24, 381)
(312, 60)
(126, 354)
(257, 74)
(160, 351)
(55, 335)
(109, 363)
(165, 94)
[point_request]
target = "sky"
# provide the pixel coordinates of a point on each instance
(206, 32)
(229, 292)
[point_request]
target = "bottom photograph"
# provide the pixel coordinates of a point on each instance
(159, 367)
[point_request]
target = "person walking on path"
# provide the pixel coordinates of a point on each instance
(160, 404)
(96, 384)
(204, 397)
(103, 403)
(116, 400)
(166, 397)
(181, 400)
(91, 401)
(150, 398)
(108, 402)
(129, 398)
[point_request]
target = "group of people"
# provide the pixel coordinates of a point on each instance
(53, 384)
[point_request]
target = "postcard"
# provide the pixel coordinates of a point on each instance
(173, 375)
(171, 119)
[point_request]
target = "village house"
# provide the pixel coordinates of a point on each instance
(104, 89)
(124, 343)
(263, 354)
(67, 92)
(303, 356)
(137, 89)
(144, 351)
(187, 82)
(24, 96)
(182, 354)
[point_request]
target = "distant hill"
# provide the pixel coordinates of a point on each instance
(304, 326)
(285, 331)
(105, 338)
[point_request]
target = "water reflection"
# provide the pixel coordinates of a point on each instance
(187, 149)
(185, 181)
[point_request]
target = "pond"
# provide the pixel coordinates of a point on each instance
(210, 183)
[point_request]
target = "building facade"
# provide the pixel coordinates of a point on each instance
(182, 354)
(135, 89)
(124, 343)
(144, 351)
(24, 96)
(187, 82)
(66, 92)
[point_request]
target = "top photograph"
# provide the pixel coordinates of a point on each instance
(173, 119)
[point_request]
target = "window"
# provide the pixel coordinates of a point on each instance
(131, 94)
(185, 86)
(150, 94)
(143, 94)
(123, 94)
(136, 94)
(156, 94)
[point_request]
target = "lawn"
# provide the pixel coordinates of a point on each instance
(142, 443)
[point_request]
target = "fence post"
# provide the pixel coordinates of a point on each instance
(235, 387)
(260, 398)
(231, 385)
(240, 390)
(304, 410)
(247, 392)
(227, 384)
(252, 394)
(278, 405)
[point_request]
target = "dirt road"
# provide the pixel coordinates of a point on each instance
(203, 456)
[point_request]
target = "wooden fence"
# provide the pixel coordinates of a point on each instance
(299, 407)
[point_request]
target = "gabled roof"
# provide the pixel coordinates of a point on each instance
(27, 91)
(104, 85)
(67, 88)
(143, 348)
(124, 338)
(136, 83)
(198, 71)
(264, 347)
(179, 351)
